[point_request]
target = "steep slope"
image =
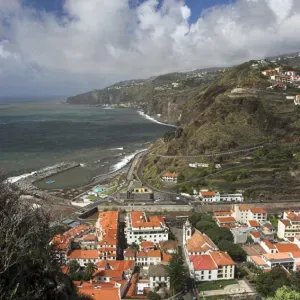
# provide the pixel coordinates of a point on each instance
(235, 111)
(162, 96)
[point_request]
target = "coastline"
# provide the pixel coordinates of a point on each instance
(152, 119)
(113, 169)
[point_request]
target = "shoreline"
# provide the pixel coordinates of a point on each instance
(28, 179)
(152, 119)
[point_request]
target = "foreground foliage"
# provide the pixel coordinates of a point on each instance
(285, 293)
(29, 268)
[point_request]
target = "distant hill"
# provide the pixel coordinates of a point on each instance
(162, 96)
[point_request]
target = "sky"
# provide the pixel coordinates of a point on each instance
(66, 47)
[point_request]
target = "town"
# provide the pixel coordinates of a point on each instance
(133, 255)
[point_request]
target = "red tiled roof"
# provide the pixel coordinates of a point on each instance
(203, 262)
(199, 242)
(172, 175)
(255, 234)
(166, 257)
(139, 219)
(244, 207)
(290, 247)
(129, 252)
(109, 273)
(253, 223)
(120, 265)
(258, 210)
(272, 256)
(150, 253)
(285, 222)
(83, 254)
(269, 244)
(147, 244)
(296, 254)
(99, 290)
(221, 258)
(226, 219)
(208, 194)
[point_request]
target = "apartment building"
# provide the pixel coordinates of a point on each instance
(107, 234)
(245, 213)
(289, 225)
(140, 228)
(148, 258)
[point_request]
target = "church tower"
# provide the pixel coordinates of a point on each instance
(187, 231)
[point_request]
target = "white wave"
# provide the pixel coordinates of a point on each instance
(153, 120)
(121, 148)
(107, 108)
(17, 178)
(125, 161)
(82, 165)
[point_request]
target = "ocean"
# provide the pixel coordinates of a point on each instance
(41, 134)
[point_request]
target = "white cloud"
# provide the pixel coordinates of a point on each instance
(99, 41)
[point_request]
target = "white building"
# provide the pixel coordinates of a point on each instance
(83, 257)
(203, 257)
(198, 165)
(290, 73)
(245, 213)
(271, 260)
(170, 177)
(207, 196)
(140, 228)
(289, 225)
(149, 258)
(238, 197)
(211, 267)
(158, 276)
(297, 100)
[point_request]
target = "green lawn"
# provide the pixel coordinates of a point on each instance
(92, 197)
(215, 285)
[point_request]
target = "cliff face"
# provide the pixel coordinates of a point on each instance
(163, 96)
(232, 112)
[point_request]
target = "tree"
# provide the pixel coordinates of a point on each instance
(153, 296)
(285, 293)
(203, 226)
(268, 283)
(236, 252)
(180, 177)
(177, 272)
(73, 266)
(90, 270)
(194, 218)
(29, 268)
(218, 234)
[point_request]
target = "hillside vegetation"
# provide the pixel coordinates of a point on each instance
(234, 112)
(162, 96)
